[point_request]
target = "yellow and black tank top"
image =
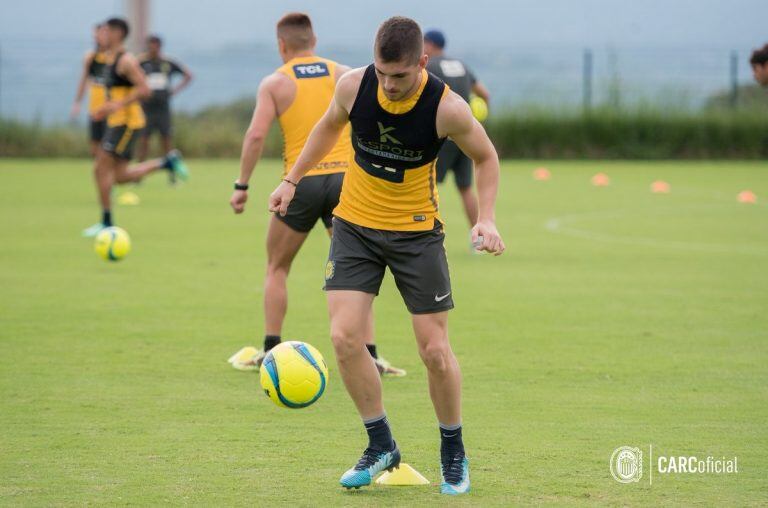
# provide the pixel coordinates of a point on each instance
(97, 93)
(119, 87)
(315, 82)
(390, 183)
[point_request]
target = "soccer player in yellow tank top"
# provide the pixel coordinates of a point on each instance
(92, 78)
(388, 217)
(297, 95)
(125, 86)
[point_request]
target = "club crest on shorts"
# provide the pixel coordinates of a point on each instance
(627, 464)
(330, 269)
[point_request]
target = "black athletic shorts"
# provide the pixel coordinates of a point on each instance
(119, 141)
(417, 259)
(452, 158)
(158, 119)
(96, 129)
(315, 198)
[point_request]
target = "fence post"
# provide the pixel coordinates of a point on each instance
(587, 80)
(734, 79)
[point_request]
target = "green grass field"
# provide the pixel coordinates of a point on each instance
(616, 317)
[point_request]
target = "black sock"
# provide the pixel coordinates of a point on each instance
(271, 341)
(106, 218)
(372, 349)
(450, 440)
(379, 433)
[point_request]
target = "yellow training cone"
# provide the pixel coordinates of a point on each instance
(402, 476)
(128, 198)
(244, 359)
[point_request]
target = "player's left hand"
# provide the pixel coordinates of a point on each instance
(237, 201)
(485, 237)
(281, 198)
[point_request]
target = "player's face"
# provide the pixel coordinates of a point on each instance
(100, 36)
(399, 79)
(760, 72)
(153, 48)
(114, 36)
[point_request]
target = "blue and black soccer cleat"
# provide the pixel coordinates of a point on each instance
(373, 462)
(455, 474)
(175, 164)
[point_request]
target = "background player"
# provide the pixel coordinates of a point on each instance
(388, 217)
(92, 77)
(297, 94)
(125, 86)
(461, 80)
(160, 71)
(759, 63)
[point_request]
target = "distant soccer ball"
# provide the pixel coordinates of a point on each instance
(479, 108)
(112, 243)
(294, 374)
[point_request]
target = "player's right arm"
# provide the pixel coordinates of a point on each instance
(264, 114)
(321, 140)
(75, 112)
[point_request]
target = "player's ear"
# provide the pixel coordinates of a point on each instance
(423, 61)
(313, 43)
(281, 45)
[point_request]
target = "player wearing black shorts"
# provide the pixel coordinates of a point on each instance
(296, 94)
(125, 86)
(461, 80)
(160, 71)
(92, 77)
(388, 217)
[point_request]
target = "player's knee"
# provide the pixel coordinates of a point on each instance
(345, 343)
(278, 269)
(436, 355)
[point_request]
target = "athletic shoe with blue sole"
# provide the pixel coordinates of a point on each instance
(92, 231)
(373, 462)
(175, 163)
(455, 475)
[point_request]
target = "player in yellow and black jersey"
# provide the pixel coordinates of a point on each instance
(296, 94)
(389, 217)
(125, 85)
(92, 79)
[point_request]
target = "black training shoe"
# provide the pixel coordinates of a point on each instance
(373, 462)
(455, 474)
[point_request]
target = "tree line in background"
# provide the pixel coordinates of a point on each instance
(717, 131)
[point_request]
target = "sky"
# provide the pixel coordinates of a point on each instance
(522, 23)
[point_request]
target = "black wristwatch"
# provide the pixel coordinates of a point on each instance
(241, 186)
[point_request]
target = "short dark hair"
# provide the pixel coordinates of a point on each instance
(759, 56)
(155, 39)
(399, 39)
(120, 24)
(295, 28)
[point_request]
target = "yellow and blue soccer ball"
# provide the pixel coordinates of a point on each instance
(294, 374)
(112, 243)
(479, 108)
